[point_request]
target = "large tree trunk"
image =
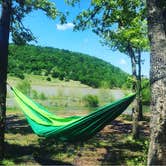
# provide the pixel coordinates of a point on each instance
(157, 36)
(4, 40)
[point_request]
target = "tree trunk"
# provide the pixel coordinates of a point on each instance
(135, 109)
(157, 36)
(4, 40)
(139, 88)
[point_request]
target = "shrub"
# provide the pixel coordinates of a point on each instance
(91, 100)
(35, 94)
(48, 79)
(18, 74)
(42, 96)
(21, 76)
(61, 76)
(55, 72)
(24, 86)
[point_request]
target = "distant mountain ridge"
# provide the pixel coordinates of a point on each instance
(65, 65)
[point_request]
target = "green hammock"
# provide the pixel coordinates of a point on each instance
(74, 128)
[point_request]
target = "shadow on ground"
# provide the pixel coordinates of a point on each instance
(24, 148)
(17, 125)
(108, 147)
(30, 154)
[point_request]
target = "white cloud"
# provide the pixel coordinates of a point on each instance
(64, 27)
(123, 62)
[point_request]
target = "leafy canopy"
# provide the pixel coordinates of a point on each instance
(120, 24)
(20, 8)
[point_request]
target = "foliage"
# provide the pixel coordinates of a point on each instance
(130, 81)
(7, 162)
(38, 95)
(19, 9)
(34, 94)
(24, 86)
(120, 24)
(141, 160)
(65, 65)
(48, 79)
(42, 96)
(18, 74)
(145, 91)
(91, 100)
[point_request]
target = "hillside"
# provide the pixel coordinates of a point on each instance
(65, 65)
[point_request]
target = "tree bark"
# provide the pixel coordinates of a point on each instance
(135, 109)
(4, 41)
(157, 36)
(139, 88)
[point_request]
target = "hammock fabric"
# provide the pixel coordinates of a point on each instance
(74, 128)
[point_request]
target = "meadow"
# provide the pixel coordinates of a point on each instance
(112, 146)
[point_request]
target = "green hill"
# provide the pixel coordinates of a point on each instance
(65, 65)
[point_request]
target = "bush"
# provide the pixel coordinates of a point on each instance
(48, 79)
(35, 94)
(91, 100)
(18, 74)
(24, 86)
(42, 96)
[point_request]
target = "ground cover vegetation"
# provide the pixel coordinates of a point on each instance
(112, 146)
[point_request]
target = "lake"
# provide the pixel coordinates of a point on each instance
(67, 101)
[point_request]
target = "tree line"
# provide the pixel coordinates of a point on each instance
(65, 65)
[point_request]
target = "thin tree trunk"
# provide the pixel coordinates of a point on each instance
(4, 40)
(157, 36)
(139, 88)
(135, 111)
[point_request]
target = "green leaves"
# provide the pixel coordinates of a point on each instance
(47, 6)
(20, 8)
(72, 2)
(119, 23)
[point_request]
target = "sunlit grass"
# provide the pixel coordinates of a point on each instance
(112, 146)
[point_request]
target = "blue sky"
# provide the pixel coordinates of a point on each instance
(50, 33)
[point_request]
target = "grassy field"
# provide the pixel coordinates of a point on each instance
(112, 146)
(42, 80)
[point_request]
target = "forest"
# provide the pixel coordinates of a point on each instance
(65, 65)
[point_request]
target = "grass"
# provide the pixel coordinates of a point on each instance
(42, 80)
(112, 146)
